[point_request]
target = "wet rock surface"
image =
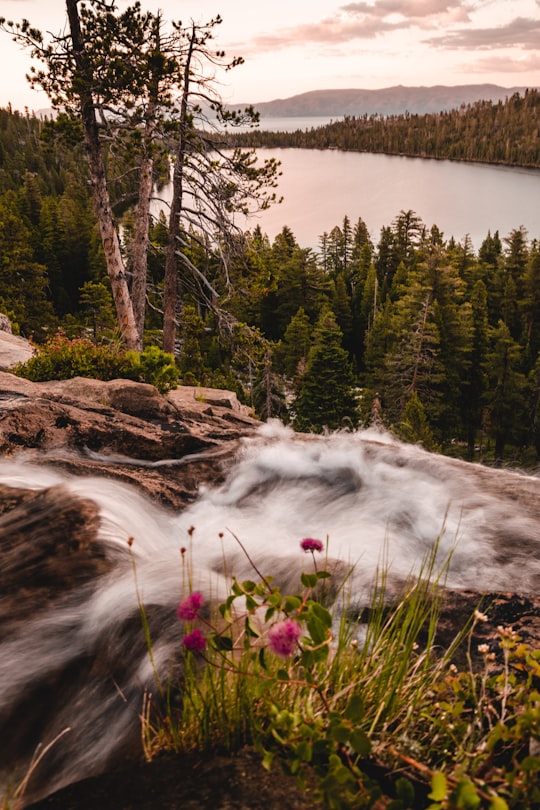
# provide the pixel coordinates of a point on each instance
(167, 446)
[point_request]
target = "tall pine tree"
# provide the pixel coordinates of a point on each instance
(326, 397)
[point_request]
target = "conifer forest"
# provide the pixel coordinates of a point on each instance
(418, 334)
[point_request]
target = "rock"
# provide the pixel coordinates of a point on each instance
(166, 445)
(208, 396)
(5, 324)
(48, 547)
(13, 349)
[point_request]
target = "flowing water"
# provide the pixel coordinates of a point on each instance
(82, 663)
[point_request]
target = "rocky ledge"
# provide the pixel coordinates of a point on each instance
(166, 445)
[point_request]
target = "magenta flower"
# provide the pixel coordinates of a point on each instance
(189, 608)
(309, 544)
(194, 641)
(283, 637)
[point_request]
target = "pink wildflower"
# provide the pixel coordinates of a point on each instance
(194, 641)
(189, 608)
(283, 637)
(309, 544)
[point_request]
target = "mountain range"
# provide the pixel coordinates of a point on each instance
(385, 101)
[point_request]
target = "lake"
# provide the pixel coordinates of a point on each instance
(321, 187)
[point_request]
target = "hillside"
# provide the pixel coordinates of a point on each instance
(502, 132)
(385, 101)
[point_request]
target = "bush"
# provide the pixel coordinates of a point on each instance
(62, 359)
(154, 366)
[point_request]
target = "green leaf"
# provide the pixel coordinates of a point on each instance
(355, 709)
(249, 586)
(405, 791)
(438, 786)
(291, 604)
(321, 613)
(274, 599)
(317, 630)
(531, 764)
(467, 795)
(236, 588)
(251, 628)
(222, 643)
(360, 742)
(282, 675)
(308, 580)
(304, 750)
(340, 733)
(267, 760)
(497, 803)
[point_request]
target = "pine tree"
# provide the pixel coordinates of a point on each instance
(507, 387)
(326, 397)
(23, 281)
(294, 347)
(268, 396)
(414, 426)
(475, 381)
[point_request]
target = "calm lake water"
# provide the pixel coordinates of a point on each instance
(321, 187)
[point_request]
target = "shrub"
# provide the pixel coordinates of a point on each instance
(62, 359)
(153, 366)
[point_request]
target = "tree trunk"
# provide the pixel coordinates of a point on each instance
(170, 285)
(170, 290)
(142, 216)
(139, 257)
(102, 205)
(139, 254)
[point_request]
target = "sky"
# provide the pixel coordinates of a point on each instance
(294, 46)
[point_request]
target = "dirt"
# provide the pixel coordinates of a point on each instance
(185, 783)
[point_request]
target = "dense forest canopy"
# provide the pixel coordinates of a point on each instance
(416, 332)
(506, 132)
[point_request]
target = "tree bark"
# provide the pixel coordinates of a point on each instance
(109, 236)
(142, 216)
(170, 290)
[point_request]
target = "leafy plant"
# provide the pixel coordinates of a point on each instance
(365, 714)
(62, 359)
(153, 366)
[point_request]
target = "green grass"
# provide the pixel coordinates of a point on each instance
(374, 716)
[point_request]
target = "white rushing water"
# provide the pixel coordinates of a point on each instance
(373, 501)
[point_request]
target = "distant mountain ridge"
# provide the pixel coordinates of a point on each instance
(385, 101)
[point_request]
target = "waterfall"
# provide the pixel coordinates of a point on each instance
(75, 657)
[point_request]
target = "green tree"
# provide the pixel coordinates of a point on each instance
(292, 351)
(268, 395)
(23, 281)
(96, 303)
(119, 74)
(506, 396)
(475, 381)
(531, 305)
(190, 358)
(326, 396)
(341, 306)
(414, 426)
